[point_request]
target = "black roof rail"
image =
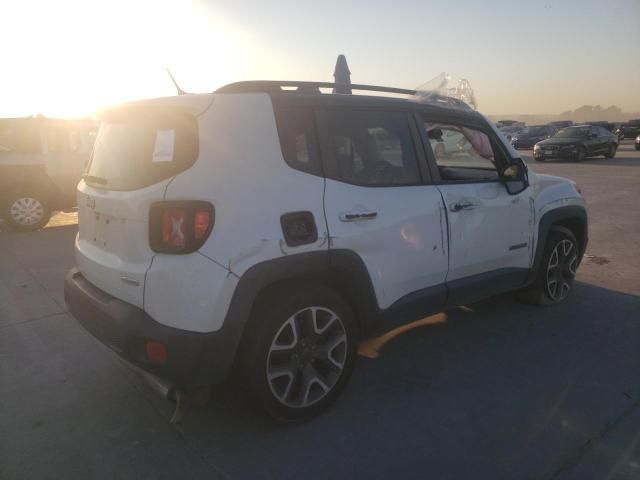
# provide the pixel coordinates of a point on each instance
(274, 86)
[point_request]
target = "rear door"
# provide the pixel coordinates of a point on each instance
(137, 152)
(489, 230)
(377, 204)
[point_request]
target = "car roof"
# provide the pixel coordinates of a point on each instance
(309, 94)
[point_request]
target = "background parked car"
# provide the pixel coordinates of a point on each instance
(577, 142)
(561, 123)
(630, 129)
(41, 162)
(529, 136)
(509, 123)
(510, 132)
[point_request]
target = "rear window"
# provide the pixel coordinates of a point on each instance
(135, 149)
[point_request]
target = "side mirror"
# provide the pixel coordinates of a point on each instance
(515, 177)
(593, 135)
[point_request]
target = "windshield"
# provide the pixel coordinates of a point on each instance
(573, 132)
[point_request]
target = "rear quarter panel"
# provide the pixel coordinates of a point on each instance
(242, 172)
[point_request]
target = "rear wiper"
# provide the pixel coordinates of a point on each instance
(94, 179)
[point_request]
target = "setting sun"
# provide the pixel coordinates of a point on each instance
(79, 56)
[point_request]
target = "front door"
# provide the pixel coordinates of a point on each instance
(489, 232)
(377, 205)
(593, 142)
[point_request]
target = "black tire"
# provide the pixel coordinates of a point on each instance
(26, 209)
(290, 396)
(611, 153)
(581, 155)
(566, 257)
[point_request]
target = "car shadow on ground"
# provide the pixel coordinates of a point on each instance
(524, 385)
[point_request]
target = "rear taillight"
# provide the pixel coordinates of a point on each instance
(181, 226)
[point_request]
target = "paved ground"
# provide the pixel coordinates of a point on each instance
(497, 390)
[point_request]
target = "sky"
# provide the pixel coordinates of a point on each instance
(72, 57)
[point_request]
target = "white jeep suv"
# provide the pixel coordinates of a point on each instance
(266, 228)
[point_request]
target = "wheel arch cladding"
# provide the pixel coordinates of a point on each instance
(574, 218)
(341, 270)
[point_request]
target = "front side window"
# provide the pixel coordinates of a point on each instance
(370, 148)
(461, 153)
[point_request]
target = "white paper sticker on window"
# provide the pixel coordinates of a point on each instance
(163, 148)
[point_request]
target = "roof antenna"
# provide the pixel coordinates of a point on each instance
(180, 91)
(342, 76)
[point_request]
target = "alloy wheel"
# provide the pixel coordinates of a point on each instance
(561, 269)
(26, 211)
(307, 357)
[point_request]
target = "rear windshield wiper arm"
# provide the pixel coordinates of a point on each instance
(94, 179)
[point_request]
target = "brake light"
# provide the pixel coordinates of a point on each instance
(201, 222)
(156, 352)
(180, 227)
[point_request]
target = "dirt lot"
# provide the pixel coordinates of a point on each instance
(495, 390)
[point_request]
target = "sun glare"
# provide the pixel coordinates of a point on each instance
(79, 56)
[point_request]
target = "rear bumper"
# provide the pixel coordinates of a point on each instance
(193, 358)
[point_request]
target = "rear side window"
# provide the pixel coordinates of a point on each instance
(369, 148)
(135, 149)
(19, 137)
(297, 134)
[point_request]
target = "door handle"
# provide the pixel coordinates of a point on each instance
(456, 207)
(353, 216)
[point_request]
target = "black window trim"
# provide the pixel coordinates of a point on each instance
(496, 144)
(316, 166)
(328, 160)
